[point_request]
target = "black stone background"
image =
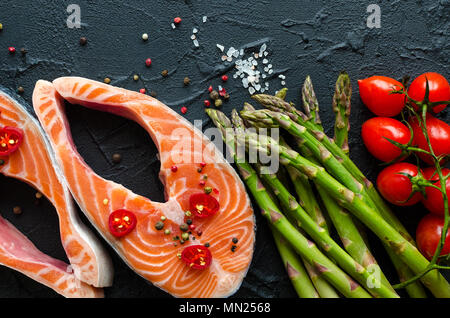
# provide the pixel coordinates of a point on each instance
(319, 38)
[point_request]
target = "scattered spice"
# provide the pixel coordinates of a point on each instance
(205, 176)
(12, 50)
(145, 36)
(192, 227)
(107, 80)
(214, 95)
(2, 162)
(199, 170)
(207, 245)
(17, 210)
(163, 218)
(234, 240)
(207, 190)
(186, 81)
(189, 221)
(185, 236)
(159, 225)
(153, 94)
(210, 88)
(233, 248)
(188, 213)
(202, 183)
(184, 227)
(167, 231)
(176, 238)
(174, 168)
(20, 90)
(183, 110)
(203, 164)
(179, 255)
(38, 195)
(226, 96)
(148, 62)
(116, 158)
(1, 27)
(177, 20)
(224, 78)
(142, 90)
(105, 201)
(164, 73)
(83, 41)
(23, 51)
(181, 241)
(207, 103)
(218, 102)
(135, 77)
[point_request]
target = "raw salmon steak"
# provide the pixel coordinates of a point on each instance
(34, 163)
(183, 149)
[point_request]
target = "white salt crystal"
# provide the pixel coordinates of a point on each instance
(193, 37)
(220, 47)
(195, 43)
(204, 18)
(283, 83)
(194, 30)
(263, 47)
(251, 90)
(269, 66)
(229, 58)
(266, 53)
(265, 61)
(270, 71)
(173, 26)
(245, 82)
(257, 87)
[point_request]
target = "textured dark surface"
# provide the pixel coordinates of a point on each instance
(319, 38)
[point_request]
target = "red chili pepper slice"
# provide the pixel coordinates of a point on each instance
(203, 205)
(121, 222)
(10, 140)
(197, 256)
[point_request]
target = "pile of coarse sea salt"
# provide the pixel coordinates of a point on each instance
(253, 70)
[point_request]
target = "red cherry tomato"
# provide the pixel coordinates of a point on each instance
(396, 188)
(203, 205)
(10, 140)
(434, 202)
(375, 130)
(428, 235)
(439, 89)
(439, 133)
(376, 94)
(121, 222)
(197, 256)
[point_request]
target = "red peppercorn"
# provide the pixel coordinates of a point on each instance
(184, 110)
(12, 49)
(210, 88)
(192, 227)
(177, 20)
(142, 91)
(207, 103)
(202, 183)
(174, 168)
(148, 62)
(203, 164)
(224, 78)
(199, 233)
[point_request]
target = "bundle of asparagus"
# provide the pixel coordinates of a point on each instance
(317, 265)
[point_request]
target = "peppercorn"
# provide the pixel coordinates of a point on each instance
(202, 183)
(189, 221)
(192, 227)
(226, 96)
(214, 95)
(207, 190)
(163, 218)
(199, 170)
(159, 225)
(210, 88)
(186, 81)
(203, 164)
(218, 102)
(224, 78)
(145, 36)
(185, 236)
(23, 51)
(1, 27)
(188, 213)
(107, 80)
(233, 248)
(167, 231)
(17, 210)
(12, 50)
(181, 241)
(116, 158)
(206, 244)
(184, 227)
(153, 94)
(148, 62)
(177, 20)
(183, 110)
(20, 90)
(199, 233)
(142, 91)
(135, 77)
(2, 162)
(234, 240)
(83, 41)
(207, 103)
(176, 238)
(164, 73)
(38, 195)
(174, 168)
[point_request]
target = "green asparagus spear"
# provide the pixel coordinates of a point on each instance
(310, 103)
(341, 107)
(305, 248)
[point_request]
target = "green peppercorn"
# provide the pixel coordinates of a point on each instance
(189, 221)
(207, 190)
(188, 213)
(163, 218)
(184, 227)
(176, 238)
(135, 77)
(185, 236)
(167, 231)
(214, 95)
(218, 102)
(159, 225)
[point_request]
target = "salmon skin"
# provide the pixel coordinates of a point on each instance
(148, 251)
(34, 163)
